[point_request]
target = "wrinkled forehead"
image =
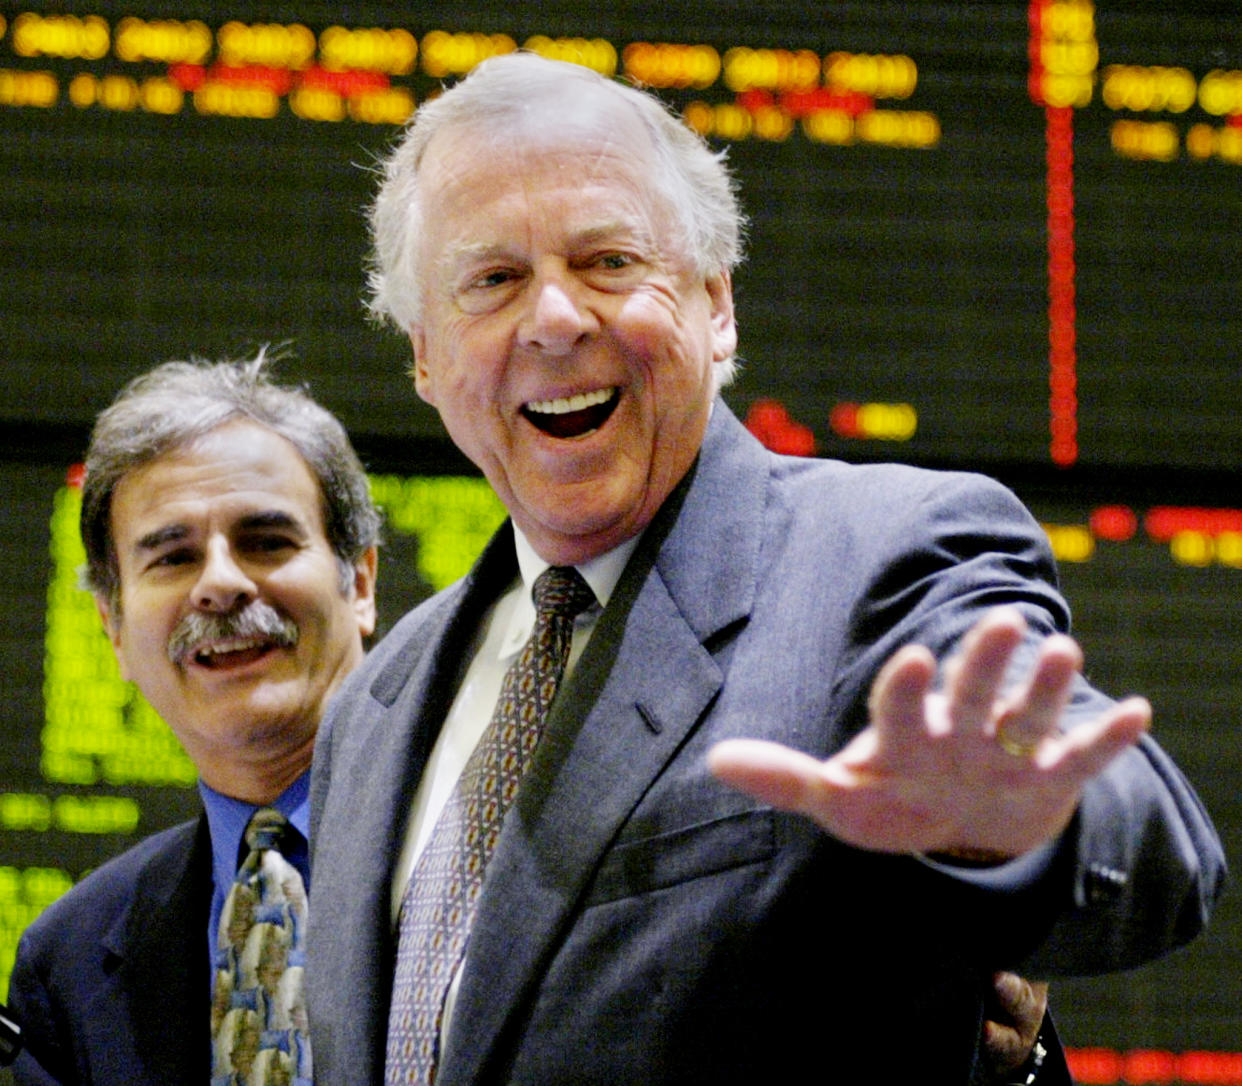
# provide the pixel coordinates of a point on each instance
(235, 467)
(574, 127)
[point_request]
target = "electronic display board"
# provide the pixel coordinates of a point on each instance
(999, 235)
(991, 232)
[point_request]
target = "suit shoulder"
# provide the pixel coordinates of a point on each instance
(94, 903)
(881, 481)
(886, 495)
(409, 628)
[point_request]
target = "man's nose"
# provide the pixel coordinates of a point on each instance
(559, 314)
(223, 583)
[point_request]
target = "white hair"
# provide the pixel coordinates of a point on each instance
(692, 178)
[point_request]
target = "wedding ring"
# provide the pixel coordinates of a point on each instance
(1013, 746)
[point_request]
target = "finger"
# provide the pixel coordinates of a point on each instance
(898, 696)
(1039, 995)
(1008, 993)
(771, 773)
(1016, 999)
(1087, 749)
(1003, 1046)
(1035, 712)
(973, 682)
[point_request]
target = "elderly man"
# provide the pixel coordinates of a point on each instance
(796, 754)
(230, 541)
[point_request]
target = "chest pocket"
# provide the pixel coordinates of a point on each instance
(667, 859)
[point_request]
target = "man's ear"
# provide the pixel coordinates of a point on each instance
(724, 328)
(365, 571)
(111, 619)
(423, 383)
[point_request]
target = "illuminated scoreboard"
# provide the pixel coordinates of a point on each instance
(995, 233)
(1002, 235)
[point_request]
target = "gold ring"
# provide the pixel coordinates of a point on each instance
(1012, 746)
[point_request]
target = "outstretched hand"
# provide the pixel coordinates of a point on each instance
(965, 770)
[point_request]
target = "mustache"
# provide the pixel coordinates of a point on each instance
(255, 620)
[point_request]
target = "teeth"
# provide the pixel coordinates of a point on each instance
(574, 403)
(220, 647)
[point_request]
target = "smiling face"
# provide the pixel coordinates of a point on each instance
(565, 341)
(231, 618)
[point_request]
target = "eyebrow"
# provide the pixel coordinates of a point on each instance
(604, 231)
(272, 518)
(458, 256)
(153, 540)
(264, 520)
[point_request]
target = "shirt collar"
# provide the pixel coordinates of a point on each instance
(227, 818)
(601, 573)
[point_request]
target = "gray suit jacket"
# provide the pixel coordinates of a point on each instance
(641, 923)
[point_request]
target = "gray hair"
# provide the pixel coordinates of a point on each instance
(177, 402)
(691, 177)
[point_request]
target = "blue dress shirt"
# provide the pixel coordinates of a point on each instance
(226, 821)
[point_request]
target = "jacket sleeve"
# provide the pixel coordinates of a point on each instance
(42, 1060)
(1139, 869)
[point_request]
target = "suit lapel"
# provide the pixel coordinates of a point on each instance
(409, 697)
(155, 1020)
(616, 724)
(416, 689)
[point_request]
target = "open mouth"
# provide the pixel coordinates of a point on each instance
(235, 639)
(235, 653)
(574, 416)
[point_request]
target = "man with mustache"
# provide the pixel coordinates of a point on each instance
(822, 758)
(231, 549)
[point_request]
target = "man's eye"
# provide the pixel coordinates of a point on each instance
(268, 544)
(615, 261)
(490, 280)
(488, 290)
(173, 558)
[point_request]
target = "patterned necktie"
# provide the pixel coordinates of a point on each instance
(258, 1010)
(439, 901)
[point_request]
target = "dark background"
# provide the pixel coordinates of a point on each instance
(877, 275)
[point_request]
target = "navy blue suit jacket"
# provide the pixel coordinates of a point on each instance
(640, 922)
(111, 984)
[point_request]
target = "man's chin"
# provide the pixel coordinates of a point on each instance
(573, 540)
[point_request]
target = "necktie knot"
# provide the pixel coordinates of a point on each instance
(560, 590)
(266, 829)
